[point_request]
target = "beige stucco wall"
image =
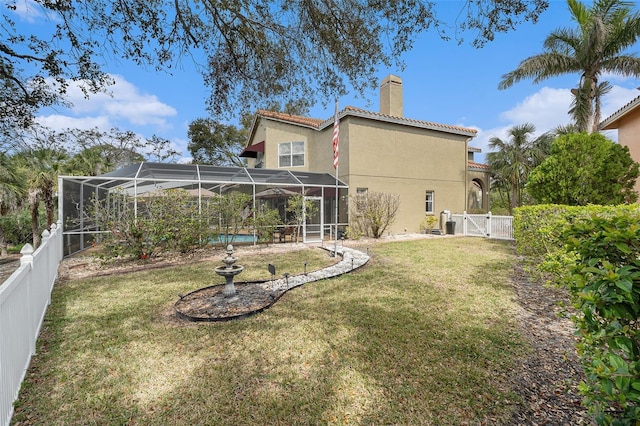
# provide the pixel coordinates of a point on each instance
(407, 161)
(382, 157)
(273, 133)
(629, 135)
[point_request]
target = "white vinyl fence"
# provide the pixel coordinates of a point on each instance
(24, 298)
(484, 225)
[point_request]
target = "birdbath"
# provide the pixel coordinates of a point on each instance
(228, 272)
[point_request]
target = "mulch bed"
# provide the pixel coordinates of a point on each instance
(210, 304)
(547, 378)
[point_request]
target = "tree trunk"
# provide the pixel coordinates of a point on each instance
(514, 198)
(3, 243)
(35, 226)
(48, 202)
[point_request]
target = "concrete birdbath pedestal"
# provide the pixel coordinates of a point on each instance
(228, 272)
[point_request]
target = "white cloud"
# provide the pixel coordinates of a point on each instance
(123, 102)
(62, 122)
(616, 99)
(29, 11)
(547, 109)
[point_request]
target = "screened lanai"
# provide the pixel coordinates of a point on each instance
(77, 194)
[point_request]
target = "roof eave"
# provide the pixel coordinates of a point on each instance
(401, 121)
(611, 122)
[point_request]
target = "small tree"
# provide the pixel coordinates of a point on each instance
(233, 212)
(375, 212)
(300, 210)
(265, 222)
(585, 169)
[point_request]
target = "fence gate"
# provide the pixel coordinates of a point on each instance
(484, 225)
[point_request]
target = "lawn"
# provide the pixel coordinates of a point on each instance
(424, 334)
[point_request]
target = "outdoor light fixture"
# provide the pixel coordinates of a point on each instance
(272, 270)
(305, 268)
(286, 277)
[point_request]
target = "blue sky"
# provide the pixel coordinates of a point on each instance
(443, 82)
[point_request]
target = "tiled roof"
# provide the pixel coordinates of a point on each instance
(296, 119)
(410, 122)
(358, 112)
(611, 121)
(474, 165)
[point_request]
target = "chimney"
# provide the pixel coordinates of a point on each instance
(391, 96)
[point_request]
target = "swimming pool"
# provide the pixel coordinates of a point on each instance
(237, 238)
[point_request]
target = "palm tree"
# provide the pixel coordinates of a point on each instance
(41, 166)
(604, 31)
(90, 161)
(11, 193)
(515, 158)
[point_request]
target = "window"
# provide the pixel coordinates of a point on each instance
(291, 154)
(428, 202)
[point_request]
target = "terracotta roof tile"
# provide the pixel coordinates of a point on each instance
(475, 165)
(350, 110)
(297, 119)
(411, 121)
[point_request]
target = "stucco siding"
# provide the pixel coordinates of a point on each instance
(276, 133)
(448, 195)
(399, 151)
(629, 135)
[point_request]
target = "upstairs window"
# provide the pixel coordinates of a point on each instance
(291, 154)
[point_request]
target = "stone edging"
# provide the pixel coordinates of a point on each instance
(351, 259)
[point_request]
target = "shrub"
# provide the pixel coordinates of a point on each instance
(374, 213)
(604, 284)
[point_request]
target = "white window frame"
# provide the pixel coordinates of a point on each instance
(429, 201)
(291, 154)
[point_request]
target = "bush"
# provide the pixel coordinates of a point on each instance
(171, 222)
(604, 284)
(538, 230)
(374, 213)
(594, 252)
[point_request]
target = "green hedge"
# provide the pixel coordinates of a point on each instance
(594, 252)
(538, 229)
(604, 284)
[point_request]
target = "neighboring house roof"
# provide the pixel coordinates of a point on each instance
(478, 166)
(611, 122)
(317, 124)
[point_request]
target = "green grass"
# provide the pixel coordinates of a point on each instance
(424, 334)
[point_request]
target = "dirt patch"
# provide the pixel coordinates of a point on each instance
(87, 266)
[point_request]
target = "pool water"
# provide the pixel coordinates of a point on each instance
(239, 238)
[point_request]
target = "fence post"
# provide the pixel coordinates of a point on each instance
(464, 223)
(489, 230)
(27, 261)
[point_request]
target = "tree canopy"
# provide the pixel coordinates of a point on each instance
(215, 143)
(585, 169)
(596, 46)
(247, 51)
